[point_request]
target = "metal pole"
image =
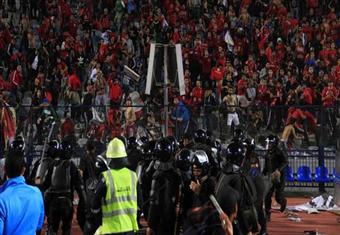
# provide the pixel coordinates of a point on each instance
(337, 178)
(321, 150)
(166, 95)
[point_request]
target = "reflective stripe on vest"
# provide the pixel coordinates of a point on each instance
(119, 208)
(114, 198)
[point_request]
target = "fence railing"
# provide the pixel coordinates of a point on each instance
(313, 125)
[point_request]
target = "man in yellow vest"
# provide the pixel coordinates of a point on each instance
(116, 194)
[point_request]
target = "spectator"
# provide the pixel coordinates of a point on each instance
(130, 119)
(21, 205)
(231, 104)
(181, 116)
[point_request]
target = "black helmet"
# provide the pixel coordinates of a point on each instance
(183, 160)
(53, 148)
(18, 143)
(234, 154)
(272, 141)
(148, 148)
(238, 135)
(101, 163)
(132, 143)
(200, 136)
(163, 150)
(66, 149)
(200, 160)
(174, 143)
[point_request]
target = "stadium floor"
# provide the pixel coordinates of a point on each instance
(324, 223)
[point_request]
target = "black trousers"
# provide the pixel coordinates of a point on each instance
(260, 188)
(60, 210)
(278, 188)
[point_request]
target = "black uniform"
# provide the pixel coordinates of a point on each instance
(237, 181)
(134, 157)
(255, 173)
(163, 200)
(61, 180)
(275, 159)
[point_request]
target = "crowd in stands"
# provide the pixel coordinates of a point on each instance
(245, 59)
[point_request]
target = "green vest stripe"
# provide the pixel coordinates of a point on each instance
(119, 212)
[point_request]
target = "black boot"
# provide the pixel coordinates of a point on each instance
(283, 205)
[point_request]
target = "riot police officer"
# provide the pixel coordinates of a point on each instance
(18, 144)
(164, 194)
(233, 176)
(253, 167)
(274, 169)
(202, 184)
(61, 180)
(134, 154)
(238, 135)
(200, 139)
(41, 166)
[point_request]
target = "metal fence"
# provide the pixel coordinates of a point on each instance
(317, 127)
(314, 125)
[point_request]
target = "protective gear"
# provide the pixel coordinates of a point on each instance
(18, 143)
(101, 164)
(275, 164)
(163, 150)
(53, 148)
(66, 149)
(116, 149)
(234, 154)
(238, 135)
(61, 177)
(132, 143)
(183, 160)
(120, 215)
(200, 136)
(200, 160)
(148, 148)
(272, 141)
(174, 143)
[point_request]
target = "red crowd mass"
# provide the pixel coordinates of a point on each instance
(269, 54)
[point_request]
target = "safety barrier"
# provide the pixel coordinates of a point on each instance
(304, 169)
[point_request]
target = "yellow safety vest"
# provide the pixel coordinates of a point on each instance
(120, 205)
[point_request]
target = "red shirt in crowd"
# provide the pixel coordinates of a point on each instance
(308, 95)
(74, 82)
(329, 95)
(217, 73)
(15, 78)
(67, 128)
(241, 87)
(197, 94)
(115, 92)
